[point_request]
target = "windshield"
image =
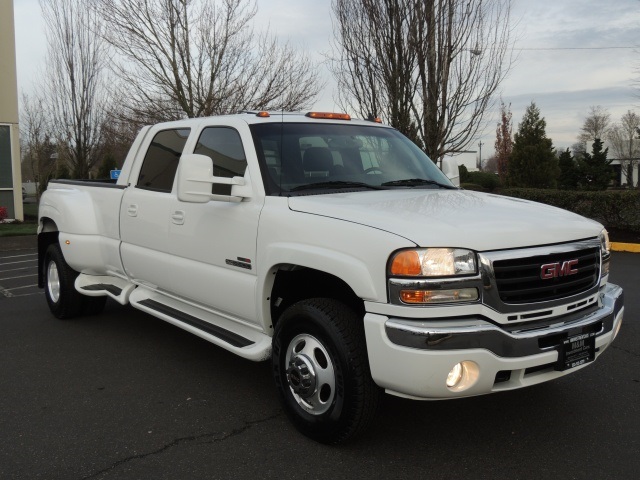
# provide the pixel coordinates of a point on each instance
(322, 158)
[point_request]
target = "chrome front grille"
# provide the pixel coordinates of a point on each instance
(519, 280)
(513, 279)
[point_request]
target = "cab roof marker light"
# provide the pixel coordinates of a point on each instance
(263, 114)
(328, 115)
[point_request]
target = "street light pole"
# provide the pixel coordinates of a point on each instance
(480, 159)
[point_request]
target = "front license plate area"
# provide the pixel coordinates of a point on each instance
(576, 351)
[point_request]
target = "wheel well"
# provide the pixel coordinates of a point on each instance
(47, 236)
(293, 284)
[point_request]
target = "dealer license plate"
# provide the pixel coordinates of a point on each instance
(576, 351)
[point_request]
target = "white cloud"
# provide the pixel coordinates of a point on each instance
(31, 45)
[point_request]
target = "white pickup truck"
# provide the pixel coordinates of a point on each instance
(338, 250)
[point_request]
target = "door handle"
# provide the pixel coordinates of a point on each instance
(177, 217)
(132, 210)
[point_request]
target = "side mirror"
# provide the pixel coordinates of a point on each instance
(195, 178)
(451, 170)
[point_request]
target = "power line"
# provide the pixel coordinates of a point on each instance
(578, 48)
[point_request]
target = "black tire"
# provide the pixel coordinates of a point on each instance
(340, 401)
(63, 299)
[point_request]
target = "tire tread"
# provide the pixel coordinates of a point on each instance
(69, 305)
(365, 395)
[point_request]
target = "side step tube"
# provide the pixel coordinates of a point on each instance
(218, 328)
(229, 337)
(99, 286)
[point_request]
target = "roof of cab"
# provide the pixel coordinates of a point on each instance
(254, 117)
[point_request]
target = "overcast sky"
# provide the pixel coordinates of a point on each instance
(564, 60)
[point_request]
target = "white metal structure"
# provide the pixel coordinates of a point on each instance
(10, 173)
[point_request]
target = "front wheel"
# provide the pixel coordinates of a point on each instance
(321, 370)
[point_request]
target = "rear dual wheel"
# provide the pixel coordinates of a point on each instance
(63, 298)
(321, 370)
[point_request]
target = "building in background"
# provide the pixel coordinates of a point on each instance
(619, 178)
(10, 172)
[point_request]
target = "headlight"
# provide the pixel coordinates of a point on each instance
(605, 248)
(433, 262)
(605, 244)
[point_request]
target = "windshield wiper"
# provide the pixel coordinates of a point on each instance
(334, 184)
(415, 182)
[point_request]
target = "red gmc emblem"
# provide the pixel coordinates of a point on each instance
(558, 269)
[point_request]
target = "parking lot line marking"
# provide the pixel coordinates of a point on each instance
(16, 256)
(21, 276)
(13, 263)
(17, 269)
(5, 292)
(27, 294)
(18, 288)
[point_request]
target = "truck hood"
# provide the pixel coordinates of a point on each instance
(452, 218)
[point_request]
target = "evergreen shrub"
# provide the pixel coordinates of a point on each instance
(613, 208)
(487, 180)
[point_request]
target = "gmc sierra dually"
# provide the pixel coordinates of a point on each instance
(338, 250)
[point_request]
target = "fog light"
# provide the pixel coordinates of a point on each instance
(455, 375)
(463, 376)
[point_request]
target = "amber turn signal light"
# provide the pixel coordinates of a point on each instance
(406, 263)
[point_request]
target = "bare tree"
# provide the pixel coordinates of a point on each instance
(37, 147)
(625, 144)
(596, 125)
(428, 67)
(201, 57)
(375, 68)
(118, 134)
(491, 165)
(75, 79)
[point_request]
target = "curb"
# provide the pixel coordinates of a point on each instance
(625, 247)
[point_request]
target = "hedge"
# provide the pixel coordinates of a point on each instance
(613, 208)
(487, 180)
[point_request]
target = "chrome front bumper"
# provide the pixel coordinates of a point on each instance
(412, 358)
(478, 333)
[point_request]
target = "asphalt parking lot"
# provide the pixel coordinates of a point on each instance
(123, 395)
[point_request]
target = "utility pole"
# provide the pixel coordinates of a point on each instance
(479, 165)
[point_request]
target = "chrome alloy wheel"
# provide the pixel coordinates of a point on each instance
(53, 282)
(310, 374)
